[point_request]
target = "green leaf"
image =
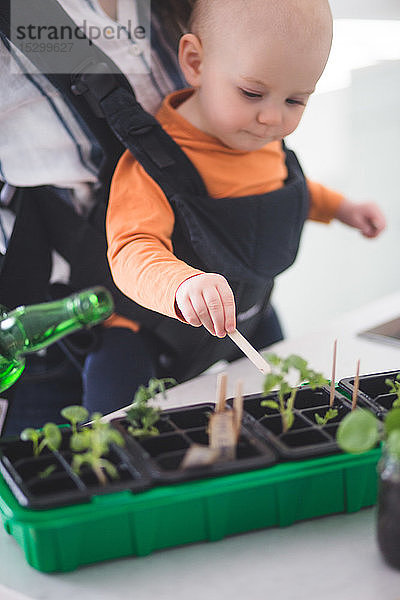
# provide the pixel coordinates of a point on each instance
(96, 418)
(158, 385)
(109, 468)
(52, 435)
(316, 380)
(331, 413)
(116, 438)
(270, 404)
(77, 462)
(392, 421)
(358, 432)
(271, 381)
(29, 434)
(142, 395)
(393, 443)
(75, 413)
(273, 359)
(47, 471)
(296, 362)
(80, 441)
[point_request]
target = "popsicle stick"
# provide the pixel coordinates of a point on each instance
(332, 391)
(116, 414)
(221, 392)
(355, 388)
(251, 353)
(238, 405)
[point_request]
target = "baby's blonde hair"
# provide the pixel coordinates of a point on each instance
(311, 17)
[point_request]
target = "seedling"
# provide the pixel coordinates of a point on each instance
(49, 436)
(92, 444)
(278, 378)
(141, 416)
(75, 414)
(89, 445)
(331, 413)
(394, 388)
(47, 471)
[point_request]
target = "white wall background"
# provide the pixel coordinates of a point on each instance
(349, 140)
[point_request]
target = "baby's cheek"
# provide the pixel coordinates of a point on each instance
(229, 119)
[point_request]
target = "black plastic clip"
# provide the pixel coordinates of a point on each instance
(94, 81)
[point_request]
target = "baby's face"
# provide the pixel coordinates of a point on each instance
(253, 92)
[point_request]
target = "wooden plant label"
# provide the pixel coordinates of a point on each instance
(355, 387)
(199, 456)
(221, 392)
(238, 407)
(223, 434)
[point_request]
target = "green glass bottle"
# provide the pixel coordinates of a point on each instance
(30, 328)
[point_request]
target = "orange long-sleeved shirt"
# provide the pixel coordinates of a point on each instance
(140, 220)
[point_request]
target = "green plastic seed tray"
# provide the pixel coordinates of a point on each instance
(126, 523)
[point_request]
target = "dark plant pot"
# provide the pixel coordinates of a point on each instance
(388, 524)
(179, 429)
(373, 392)
(25, 475)
(305, 439)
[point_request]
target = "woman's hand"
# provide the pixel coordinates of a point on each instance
(207, 299)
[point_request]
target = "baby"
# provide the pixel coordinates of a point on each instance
(252, 66)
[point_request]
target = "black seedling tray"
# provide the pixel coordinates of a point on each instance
(24, 474)
(145, 462)
(305, 439)
(372, 391)
(179, 429)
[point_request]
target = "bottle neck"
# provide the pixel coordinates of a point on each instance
(30, 328)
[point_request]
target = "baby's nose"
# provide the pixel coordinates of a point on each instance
(270, 114)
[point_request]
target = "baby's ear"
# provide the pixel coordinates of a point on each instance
(190, 58)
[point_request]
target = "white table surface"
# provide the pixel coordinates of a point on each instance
(330, 558)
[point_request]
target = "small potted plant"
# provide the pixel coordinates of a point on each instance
(54, 466)
(279, 378)
(361, 431)
(299, 421)
(143, 417)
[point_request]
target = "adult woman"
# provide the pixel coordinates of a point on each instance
(57, 157)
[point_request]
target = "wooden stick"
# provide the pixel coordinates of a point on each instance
(238, 405)
(251, 353)
(332, 392)
(221, 392)
(355, 388)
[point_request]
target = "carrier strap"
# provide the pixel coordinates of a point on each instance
(160, 156)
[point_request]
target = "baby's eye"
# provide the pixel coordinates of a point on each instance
(295, 102)
(248, 94)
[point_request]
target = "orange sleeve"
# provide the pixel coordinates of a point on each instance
(324, 203)
(139, 224)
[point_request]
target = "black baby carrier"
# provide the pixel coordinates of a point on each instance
(249, 239)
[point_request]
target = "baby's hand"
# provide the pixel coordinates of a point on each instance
(366, 217)
(207, 299)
